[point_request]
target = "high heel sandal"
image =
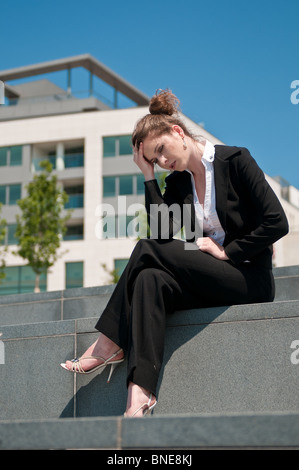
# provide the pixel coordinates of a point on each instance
(78, 369)
(149, 408)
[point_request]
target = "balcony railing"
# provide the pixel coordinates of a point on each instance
(73, 160)
(75, 201)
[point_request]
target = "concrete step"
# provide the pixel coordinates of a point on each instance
(239, 359)
(287, 283)
(54, 306)
(89, 302)
(186, 433)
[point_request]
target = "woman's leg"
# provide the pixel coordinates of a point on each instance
(162, 276)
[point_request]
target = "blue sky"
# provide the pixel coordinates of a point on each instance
(231, 63)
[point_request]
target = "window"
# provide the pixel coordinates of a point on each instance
(123, 185)
(119, 265)
(109, 188)
(117, 226)
(109, 146)
(3, 156)
(125, 146)
(74, 157)
(14, 193)
(3, 194)
(74, 232)
(74, 274)
(11, 156)
(68, 158)
(16, 156)
(11, 230)
(21, 279)
(10, 194)
(10, 238)
(76, 197)
(117, 146)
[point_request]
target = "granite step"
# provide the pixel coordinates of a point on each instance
(179, 436)
(88, 302)
(236, 359)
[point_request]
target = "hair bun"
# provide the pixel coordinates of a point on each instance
(164, 102)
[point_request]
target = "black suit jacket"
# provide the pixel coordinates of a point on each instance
(248, 209)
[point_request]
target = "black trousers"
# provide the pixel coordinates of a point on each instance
(161, 277)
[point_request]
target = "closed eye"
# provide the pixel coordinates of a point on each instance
(153, 161)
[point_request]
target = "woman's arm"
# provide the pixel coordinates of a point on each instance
(163, 211)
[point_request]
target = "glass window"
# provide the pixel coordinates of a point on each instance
(27, 278)
(74, 232)
(109, 228)
(11, 230)
(16, 155)
(119, 265)
(76, 197)
(117, 145)
(74, 157)
(109, 186)
(125, 184)
(10, 284)
(3, 156)
(122, 226)
(74, 274)
(14, 193)
(21, 279)
(125, 146)
(109, 146)
(3, 194)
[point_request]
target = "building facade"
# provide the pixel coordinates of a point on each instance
(88, 142)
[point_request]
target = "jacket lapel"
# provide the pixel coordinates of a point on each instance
(221, 175)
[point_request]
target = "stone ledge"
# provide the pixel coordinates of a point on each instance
(286, 271)
(234, 313)
(231, 363)
(239, 431)
(90, 302)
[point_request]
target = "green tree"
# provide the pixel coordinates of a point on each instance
(113, 274)
(3, 248)
(42, 222)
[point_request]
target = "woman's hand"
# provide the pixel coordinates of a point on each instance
(145, 166)
(208, 245)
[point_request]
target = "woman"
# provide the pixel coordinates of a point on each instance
(231, 218)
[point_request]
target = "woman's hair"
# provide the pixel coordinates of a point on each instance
(164, 113)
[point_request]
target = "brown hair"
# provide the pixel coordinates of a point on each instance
(164, 113)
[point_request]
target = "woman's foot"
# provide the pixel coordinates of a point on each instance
(103, 347)
(139, 400)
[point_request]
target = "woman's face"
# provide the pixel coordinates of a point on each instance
(167, 150)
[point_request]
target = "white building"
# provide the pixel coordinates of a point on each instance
(88, 142)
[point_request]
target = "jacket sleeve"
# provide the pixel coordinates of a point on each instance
(163, 211)
(272, 223)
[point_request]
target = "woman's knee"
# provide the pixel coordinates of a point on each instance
(149, 276)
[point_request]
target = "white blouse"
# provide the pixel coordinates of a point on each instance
(207, 216)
